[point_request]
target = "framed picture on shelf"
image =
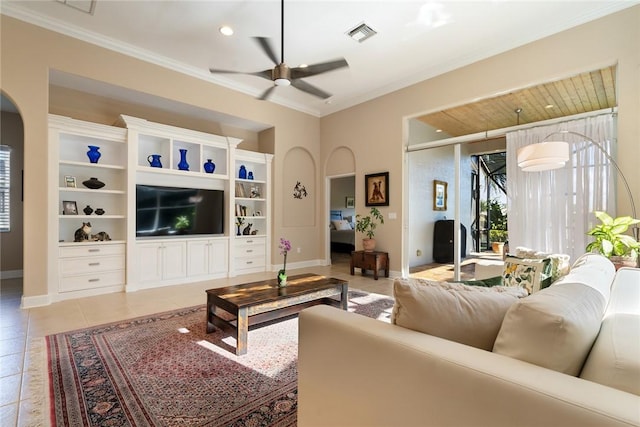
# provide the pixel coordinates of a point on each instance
(70, 181)
(350, 202)
(439, 195)
(69, 207)
(377, 189)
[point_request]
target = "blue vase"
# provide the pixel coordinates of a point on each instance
(183, 165)
(250, 175)
(93, 153)
(209, 166)
(154, 160)
(243, 172)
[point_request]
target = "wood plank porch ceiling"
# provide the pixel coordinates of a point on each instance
(589, 91)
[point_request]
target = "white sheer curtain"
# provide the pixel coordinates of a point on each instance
(551, 211)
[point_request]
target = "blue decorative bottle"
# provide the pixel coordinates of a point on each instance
(250, 175)
(183, 165)
(243, 172)
(93, 153)
(209, 166)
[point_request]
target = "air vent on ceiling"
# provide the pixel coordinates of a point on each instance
(87, 6)
(362, 32)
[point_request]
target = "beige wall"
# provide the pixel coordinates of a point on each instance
(372, 131)
(11, 242)
(29, 52)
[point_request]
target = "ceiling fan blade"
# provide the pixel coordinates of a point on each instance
(265, 44)
(310, 89)
(266, 93)
(266, 74)
(312, 70)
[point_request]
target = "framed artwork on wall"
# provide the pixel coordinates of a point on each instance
(439, 195)
(350, 202)
(377, 189)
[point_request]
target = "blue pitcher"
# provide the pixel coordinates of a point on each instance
(154, 160)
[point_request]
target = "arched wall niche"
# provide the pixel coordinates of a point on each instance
(341, 161)
(299, 188)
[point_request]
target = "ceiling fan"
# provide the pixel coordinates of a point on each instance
(282, 75)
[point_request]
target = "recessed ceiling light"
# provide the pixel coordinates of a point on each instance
(549, 106)
(438, 130)
(303, 66)
(226, 30)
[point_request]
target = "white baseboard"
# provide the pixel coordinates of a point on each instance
(11, 274)
(37, 301)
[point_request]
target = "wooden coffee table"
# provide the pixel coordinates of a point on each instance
(258, 302)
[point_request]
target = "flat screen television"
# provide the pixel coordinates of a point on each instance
(173, 211)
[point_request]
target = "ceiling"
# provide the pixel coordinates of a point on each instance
(589, 91)
(416, 40)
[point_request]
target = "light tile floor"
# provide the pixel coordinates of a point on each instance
(19, 326)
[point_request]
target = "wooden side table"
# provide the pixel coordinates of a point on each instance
(370, 260)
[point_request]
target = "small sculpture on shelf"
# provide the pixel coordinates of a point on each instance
(239, 223)
(87, 210)
(247, 230)
(99, 211)
(82, 234)
(102, 236)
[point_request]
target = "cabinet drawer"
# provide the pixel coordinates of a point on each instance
(91, 250)
(91, 281)
(250, 250)
(249, 262)
(70, 266)
(249, 241)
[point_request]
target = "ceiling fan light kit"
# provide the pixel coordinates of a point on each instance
(282, 75)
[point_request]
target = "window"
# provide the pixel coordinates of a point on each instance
(5, 187)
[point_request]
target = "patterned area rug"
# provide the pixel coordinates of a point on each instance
(164, 370)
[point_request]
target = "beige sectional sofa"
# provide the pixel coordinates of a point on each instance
(551, 364)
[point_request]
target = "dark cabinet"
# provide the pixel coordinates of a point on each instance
(443, 241)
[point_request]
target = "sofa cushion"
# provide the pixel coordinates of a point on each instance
(556, 327)
(614, 360)
(469, 315)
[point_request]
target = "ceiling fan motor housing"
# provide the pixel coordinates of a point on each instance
(281, 75)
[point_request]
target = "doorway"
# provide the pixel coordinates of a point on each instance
(342, 217)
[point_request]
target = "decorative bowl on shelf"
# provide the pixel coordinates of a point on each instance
(99, 211)
(93, 183)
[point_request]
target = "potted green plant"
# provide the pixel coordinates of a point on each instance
(610, 240)
(182, 223)
(367, 225)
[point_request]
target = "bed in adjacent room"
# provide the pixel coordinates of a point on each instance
(342, 233)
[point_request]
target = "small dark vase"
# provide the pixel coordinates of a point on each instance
(87, 210)
(93, 183)
(99, 211)
(209, 166)
(242, 174)
(94, 154)
(183, 165)
(250, 176)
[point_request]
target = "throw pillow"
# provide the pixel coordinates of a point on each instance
(341, 224)
(470, 315)
(487, 283)
(525, 273)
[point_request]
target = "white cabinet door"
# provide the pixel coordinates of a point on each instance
(198, 257)
(149, 262)
(174, 260)
(218, 256)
